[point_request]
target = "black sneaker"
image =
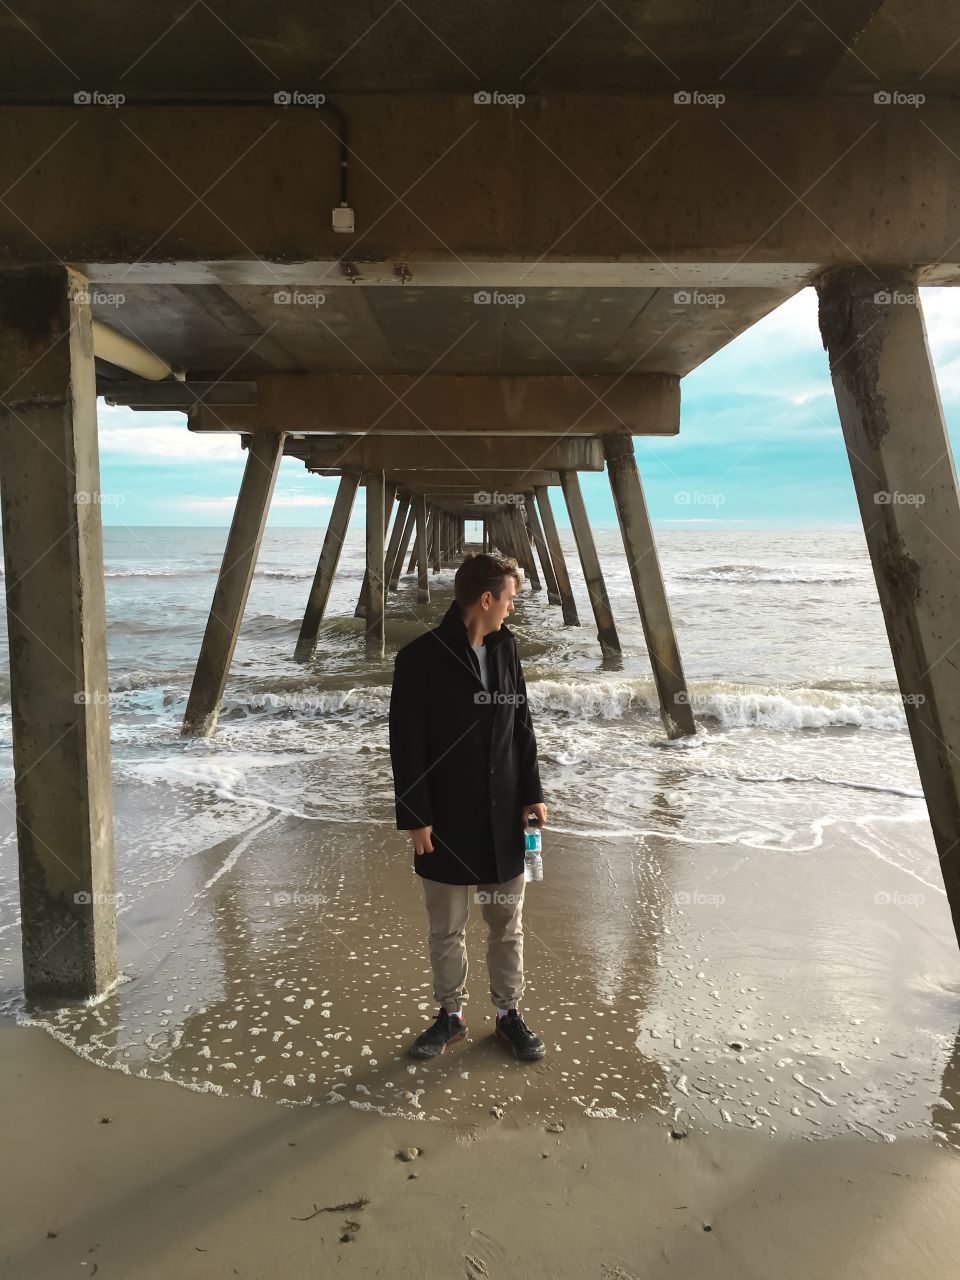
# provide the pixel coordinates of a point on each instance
(512, 1030)
(447, 1029)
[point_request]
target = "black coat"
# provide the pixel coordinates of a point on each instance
(464, 765)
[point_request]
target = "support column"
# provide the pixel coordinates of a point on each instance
(53, 560)
(523, 536)
(906, 484)
(590, 563)
(327, 565)
(389, 493)
(420, 549)
(375, 536)
(264, 455)
(396, 535)
(553, 591)
(433, 538)
(393, 577)
(658, 630)
(567, 603)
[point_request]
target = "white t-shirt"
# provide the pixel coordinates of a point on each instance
(481, 651)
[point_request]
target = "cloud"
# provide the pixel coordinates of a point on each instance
(227, 502)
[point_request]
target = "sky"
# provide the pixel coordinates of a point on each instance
(759, 445)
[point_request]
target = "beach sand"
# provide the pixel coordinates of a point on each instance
(112, 1176)
(752, 1070)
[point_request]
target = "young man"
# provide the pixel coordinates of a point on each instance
(466, 779)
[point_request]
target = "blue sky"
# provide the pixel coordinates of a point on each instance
(759, 444)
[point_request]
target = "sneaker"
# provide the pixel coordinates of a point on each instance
(447, 1029)
(512, 1030)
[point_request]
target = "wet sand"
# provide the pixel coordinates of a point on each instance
(110, 1176)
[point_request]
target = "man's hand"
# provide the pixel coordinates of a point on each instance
(421, 840)
(539, 809)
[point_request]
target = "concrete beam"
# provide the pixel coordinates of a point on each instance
(906, 485)
(440, 453)
(233, 586)
(59, 690)
(189, 195)
(440, 404)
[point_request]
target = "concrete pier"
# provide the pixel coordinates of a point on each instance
(264, 456)
(568, 604)
(327, 565)
(644, 564)
(590, 563)
(59, 691)
(374, 576)
(906, 484)
(420, 549)
(553, 590)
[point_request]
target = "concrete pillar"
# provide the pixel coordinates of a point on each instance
(396, 534)
(264, 456)
(567, 603)
(906, 484)
(361, 607)
(553, 591)
(327, 565)
(590, 563)
(53, 560)
(434, 539)
(375, 537)
(523, 537)
(420, 549)
(638, 542)
(393, 577)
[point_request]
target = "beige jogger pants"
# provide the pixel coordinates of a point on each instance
(448, 907)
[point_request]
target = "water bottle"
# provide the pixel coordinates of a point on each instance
(533, 843)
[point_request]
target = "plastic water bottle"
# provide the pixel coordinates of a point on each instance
(533, 843)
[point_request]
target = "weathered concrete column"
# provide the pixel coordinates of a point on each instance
(644, 563)
(264, 455)
(396, 535)
(393, 578)
(375, 537)
(389, 493)
(433, 538)
(523, 537)
(420, 549)
(567, 603)
(590, 563)
(906, 484)
(327, 565)
(53, 560)
(553, 591)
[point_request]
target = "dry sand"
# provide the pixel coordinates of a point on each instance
(108, 1175)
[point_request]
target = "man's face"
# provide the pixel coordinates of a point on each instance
(499, 609)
